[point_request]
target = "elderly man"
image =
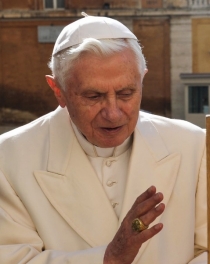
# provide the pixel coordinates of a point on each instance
(78, 185)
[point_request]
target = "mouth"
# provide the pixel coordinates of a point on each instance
(112, 129)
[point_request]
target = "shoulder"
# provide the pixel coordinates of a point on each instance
(34, 129)
(30, 144)
(170, 125)
(32, 138)
(173, 132)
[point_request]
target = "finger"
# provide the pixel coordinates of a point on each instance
(147, 205)
(148, 218)
(144, 196)
(148, 233)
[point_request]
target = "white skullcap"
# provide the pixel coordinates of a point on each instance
(91, 27)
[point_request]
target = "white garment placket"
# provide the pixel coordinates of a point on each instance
(111, 167)
(114, 175)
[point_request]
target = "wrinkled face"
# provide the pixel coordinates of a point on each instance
(103, 97)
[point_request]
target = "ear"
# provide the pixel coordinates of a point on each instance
(145, 71)
(57, 91)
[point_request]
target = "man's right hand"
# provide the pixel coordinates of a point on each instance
(125, 245)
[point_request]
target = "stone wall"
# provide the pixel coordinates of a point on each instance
(181, 61)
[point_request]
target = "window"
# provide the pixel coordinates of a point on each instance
(54, 4)
(198, 99)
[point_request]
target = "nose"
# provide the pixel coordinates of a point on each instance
(111, 110)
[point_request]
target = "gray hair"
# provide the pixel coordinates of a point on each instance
(62, 63)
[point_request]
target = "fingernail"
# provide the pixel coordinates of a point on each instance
(157, 196)
(158, 226)
(152, 189)
(158, 208)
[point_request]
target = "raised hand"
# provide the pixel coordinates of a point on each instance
(129, 238)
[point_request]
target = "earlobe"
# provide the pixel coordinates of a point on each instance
(145, 71)
(57, 91)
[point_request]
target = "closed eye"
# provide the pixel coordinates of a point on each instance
(94, 97)
(125, 94)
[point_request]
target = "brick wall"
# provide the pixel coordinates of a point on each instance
(23, 61)
(21, 4)
(23, 66)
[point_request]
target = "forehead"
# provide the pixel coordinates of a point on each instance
(125, 55)
(117, 68)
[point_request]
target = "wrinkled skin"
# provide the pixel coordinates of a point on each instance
(127, 242)
(103, 98)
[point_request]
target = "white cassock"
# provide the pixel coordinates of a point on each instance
(61, 204)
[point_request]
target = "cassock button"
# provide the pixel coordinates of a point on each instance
(114, 204)
(110, 183)
(108, 163)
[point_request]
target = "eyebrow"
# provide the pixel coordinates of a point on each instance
(95, 90)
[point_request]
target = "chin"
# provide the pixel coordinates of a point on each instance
(109, 144)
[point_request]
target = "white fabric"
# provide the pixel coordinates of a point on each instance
(113, 174)
(111, 167)
(201, 259)
(91, 27)
(53, 208)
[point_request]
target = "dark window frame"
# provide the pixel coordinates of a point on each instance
(198, 98)
(54, 4)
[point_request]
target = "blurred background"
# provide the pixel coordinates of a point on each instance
(174, 34)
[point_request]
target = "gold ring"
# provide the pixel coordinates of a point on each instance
(138, 225)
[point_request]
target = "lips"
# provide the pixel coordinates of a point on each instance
(111, 129)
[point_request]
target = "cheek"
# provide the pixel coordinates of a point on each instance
(133, 108)
(81, 114)
(133, 114)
